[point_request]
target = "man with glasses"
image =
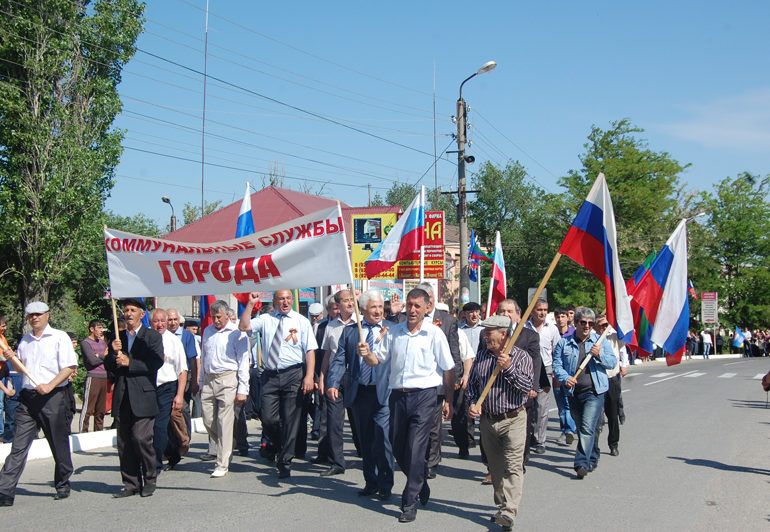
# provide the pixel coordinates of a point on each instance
(586, 390)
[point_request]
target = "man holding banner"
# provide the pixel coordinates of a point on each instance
(289, 346)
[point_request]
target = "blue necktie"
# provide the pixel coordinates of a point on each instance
(367, 371)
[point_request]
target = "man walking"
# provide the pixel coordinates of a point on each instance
(97, 384)
(45, 402)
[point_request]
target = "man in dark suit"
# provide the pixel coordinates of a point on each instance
(134, 359)
(367, 393)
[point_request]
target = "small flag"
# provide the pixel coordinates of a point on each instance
(738, 338)
(475, 256)
(245, 227)
(497, 281)
(691, 290)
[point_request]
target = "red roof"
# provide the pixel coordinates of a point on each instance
(270, 206)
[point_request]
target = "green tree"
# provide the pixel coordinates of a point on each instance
(61, 64)
(192, 212)
(738, 238)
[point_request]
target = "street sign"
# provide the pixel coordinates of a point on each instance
(708, 308)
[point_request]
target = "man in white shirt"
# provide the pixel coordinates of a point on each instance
(46, 401)
(708, 345)
(171, 382)
(613, 400)
(288, 355)
(549, 337)
(225, 384)
(420, 361)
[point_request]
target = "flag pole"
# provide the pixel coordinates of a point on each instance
(512, 339)
(361, 337)
(422, 240)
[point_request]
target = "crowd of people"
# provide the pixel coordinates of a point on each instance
(396, 369)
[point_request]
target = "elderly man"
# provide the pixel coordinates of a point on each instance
(288, 346)
(171, 381)
(420, 362)
(367, 394)
(46, 401)
(225, 381)
(586, 390)
(134, 359)
(503, 419)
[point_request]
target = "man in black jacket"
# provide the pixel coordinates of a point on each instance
(134, 359)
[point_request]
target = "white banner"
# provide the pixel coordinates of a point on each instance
(307, 251)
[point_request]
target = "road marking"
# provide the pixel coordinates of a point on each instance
(696, 374)
(624, 391)
(759, 375)
(664, 374)
(731, 363)
(553, 410)
(727, 375)
(668, 378)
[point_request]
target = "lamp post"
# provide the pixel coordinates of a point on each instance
(462, 206)
(166, 199)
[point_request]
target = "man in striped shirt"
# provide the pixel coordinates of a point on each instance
(503, 423)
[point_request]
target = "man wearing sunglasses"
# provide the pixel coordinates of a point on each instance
(586, 390)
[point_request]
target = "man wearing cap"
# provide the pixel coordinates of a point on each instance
(45, 401)
(134, 359)
(503, 423)
(316, 311)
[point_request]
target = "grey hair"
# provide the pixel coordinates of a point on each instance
(231, 313)
(219, 306)
(541, 301)
(153, 311)
(370, 295)
(328, 302)
(584, 313)
(426, 287)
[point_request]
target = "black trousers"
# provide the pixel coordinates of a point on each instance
(612, 411)
(531, 407)
(460, 425)
(412, 415)
(330, 443)
(281, 406)
(436, 434)
(53, 414)
(135, 448)
(372, 421)
(165, 396)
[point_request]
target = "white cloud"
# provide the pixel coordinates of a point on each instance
(741, 121)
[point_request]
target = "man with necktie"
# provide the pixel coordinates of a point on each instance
(288, 340)
(367, 393)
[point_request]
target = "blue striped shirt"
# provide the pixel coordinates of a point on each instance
(511, 387)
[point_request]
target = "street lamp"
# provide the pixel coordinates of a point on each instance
(166, 199)
(462, 207)
(692, 218)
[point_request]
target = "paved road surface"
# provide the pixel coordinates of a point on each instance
(695, 455)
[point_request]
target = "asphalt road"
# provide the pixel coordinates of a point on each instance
(695, 455)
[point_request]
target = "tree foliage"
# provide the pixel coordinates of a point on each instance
(192, 212)
(61, 64)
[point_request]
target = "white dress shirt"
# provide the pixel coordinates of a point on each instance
(226, 349)
(175, 360)
(473, 334)
(549, 337)
(466, 347)
(418, 359)
(291, 353)
(46, 355)
(333, 333)
(619, 349)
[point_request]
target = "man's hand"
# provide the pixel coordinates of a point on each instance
(72, 375)
(117, 345)
(194, 388)
(623, 371)
(504, 361)
(240, 398)
(474, 411)
(253, 298)
(44, 389)
(464, 382)
(321, 384)
(308, 384)
(179, 402)
(396, 305)
(9, 354)
(547, 389)
(532, 394)
(332, 393)
(447, 410)
(122, 360)
(571, 381)
(596, 350)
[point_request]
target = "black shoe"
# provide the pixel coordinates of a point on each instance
(5, 500)
(614, 451)
(61, 493)
(384, 495)
(206, 457)
(581, 472)
(148, 490)
(284, 472)
(368, 491)
(463, 453)
(471, 444)
(424, 494)
(622, 418)
(333, 470)
(172, 462)
(320, 460)
(539, 449)
(124, 493)
(408, 516)
(431, 473)
(314, 435)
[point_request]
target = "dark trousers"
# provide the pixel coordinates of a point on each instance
(436, 434)
(372, 422)
(11, 404)
(460, 426)
(281, 405)
(300, 446)
(332, 422)
(165, 395)
(412, 416)
(94, 403)
(612, 411)
(53, 414)
(531, 407)
(135, 448)
(241, 431)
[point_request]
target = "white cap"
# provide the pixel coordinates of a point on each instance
(316, 309)
(36, 307)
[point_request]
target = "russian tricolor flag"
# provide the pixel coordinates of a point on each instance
(592, 243)
(497, 282)
(404, 242)
(245, 227)
(662, 293)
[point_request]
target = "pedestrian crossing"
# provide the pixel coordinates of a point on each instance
(663, 376)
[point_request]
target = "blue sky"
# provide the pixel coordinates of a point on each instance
(694, 75)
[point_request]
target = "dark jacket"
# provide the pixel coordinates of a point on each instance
(138, 379)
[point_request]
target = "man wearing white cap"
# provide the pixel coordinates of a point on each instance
(46, 402)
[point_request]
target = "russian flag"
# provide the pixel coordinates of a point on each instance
(642, 338)
(475, 256)
(404, 242)
(662, 293)
(497, 282)
(204, 311)
(592, 243)
(245, 227)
